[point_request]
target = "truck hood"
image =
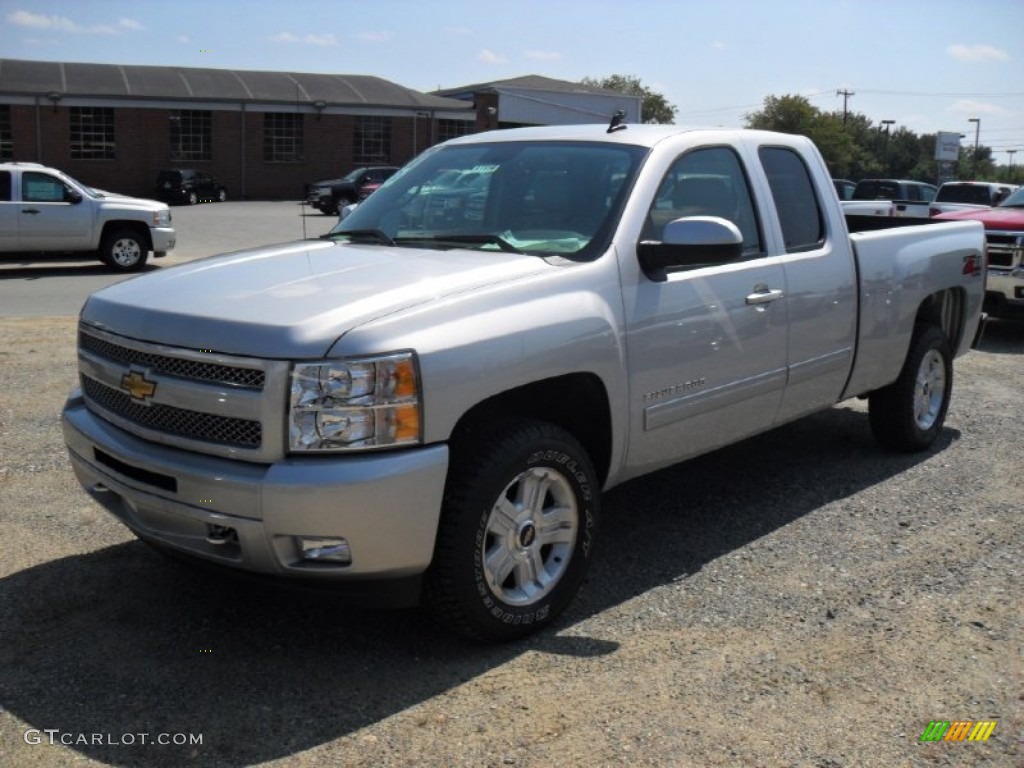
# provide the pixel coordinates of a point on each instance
(112, 199)
(293, 300)
(993, 218)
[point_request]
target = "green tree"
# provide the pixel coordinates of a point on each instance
(656, 108)
(795, 114)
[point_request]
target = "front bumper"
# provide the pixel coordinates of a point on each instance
(385, 505)
(163, 238)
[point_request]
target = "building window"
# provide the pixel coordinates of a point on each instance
(191, 132)
(372, 140)
(6, 138)
(450, 129)
(283, 137)
(92, 133)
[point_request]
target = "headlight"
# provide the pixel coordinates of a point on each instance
(162, 218)
(341, 405)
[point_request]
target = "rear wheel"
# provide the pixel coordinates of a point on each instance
(192, 198)
(222, 195)
(124, 250)
(516, 532)
(908, 414)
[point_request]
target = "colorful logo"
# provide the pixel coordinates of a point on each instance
(959, 730)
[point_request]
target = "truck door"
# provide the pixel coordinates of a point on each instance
(9, 213)
(707, 345)
(820, 285)
(48, 217)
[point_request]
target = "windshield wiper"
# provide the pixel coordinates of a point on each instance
(478, 239)
(376, 234)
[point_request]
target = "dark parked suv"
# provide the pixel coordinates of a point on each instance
(184, 185)
(331, 195)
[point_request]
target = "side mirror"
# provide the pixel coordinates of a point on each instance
(690, 243)
(74, 196)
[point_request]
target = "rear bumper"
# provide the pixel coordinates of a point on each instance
(386, 506)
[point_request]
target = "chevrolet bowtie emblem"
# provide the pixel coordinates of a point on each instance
(138, 386)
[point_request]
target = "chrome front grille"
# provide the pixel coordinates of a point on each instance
(172, 366)
(197, 400)
(1004, 250)
(208, 427)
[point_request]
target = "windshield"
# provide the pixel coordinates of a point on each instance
(90, 191)
(1016, 200)
(542, 198)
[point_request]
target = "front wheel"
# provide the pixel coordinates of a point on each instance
(124, 250)
(516, 534)
(908, 414)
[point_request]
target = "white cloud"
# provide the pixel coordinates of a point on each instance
(41, 21)
(320, 40)
(543, 55)
(288, 37)
(490, 57)
(374, 37)
(974, 53)
(718, 45)
(183, 39)
(64, 24)
(972, 107)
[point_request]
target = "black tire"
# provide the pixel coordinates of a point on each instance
(517, 531)
(908, 414)
(222, 196)
(193, 198)
(124, 250)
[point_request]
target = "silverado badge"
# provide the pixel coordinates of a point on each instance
(138, 386)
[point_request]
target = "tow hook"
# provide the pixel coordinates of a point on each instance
(221, 534)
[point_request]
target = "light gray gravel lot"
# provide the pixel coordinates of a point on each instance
(802, 599)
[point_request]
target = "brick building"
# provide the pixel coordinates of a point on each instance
(265, 135)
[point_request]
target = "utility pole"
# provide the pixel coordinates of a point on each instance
(977, 134)
(1011, 153)
(846, 95)
(888, 124)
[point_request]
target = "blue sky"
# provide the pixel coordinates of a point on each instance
(930, 66)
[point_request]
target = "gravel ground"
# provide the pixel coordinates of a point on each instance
(801, 599)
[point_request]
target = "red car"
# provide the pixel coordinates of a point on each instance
(1004, 232)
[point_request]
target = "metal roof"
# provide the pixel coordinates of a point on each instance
(531, 82)
(123, 81)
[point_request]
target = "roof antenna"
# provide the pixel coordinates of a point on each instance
(616, 123)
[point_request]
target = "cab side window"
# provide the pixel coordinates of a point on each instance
(706, 182)
(803, 226)
(5, 186)
(43, 188)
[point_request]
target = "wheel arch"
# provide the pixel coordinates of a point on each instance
(947, 311)
(137, 227)
(576, 402)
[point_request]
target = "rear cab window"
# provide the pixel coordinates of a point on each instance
(796, 203)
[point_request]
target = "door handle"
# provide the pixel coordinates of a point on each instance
(31, 211)
(764, 295)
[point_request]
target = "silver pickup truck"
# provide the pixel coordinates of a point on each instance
(43, 210)
(433, 397)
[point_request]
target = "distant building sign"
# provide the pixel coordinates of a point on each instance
(947, 146)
